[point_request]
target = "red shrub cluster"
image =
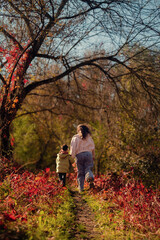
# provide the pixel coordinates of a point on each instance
(12, 57)
(141, 206)
(6, 168)
(23, 193)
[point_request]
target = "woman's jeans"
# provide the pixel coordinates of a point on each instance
(84, 163)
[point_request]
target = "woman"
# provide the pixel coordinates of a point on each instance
(83, 148)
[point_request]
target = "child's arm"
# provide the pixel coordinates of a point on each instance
(57, 159)
(71, 159)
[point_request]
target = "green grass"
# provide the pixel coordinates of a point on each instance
(81, 228)
(111, 223)
(49, 221)
(57, 226)
(55, 218)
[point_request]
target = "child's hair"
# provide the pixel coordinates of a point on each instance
(64, 147)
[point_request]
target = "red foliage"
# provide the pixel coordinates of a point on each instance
(12, 141)
(84, 85)
(12, 56)
(141, 206)
(9, 216)
(27, 188)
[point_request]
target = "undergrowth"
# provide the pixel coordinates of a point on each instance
(111, 221)
(124, 208)
(35, 207)
(44, 223)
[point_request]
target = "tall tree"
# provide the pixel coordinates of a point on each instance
(41, 33)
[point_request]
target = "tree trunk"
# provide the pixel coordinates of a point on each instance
(6, 149)
(39, 163)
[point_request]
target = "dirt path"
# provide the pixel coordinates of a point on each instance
(85, 225)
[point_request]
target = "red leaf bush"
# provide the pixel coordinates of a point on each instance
(140, 206)
(24, 194)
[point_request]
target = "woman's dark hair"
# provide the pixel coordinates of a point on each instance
(84, 130)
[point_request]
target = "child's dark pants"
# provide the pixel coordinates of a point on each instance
(62, 177)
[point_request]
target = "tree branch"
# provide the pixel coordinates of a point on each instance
(2, 78)
(7, 34)
(34, 85)
(40, 55)
(62, 5)
(52, 7)
(23, 17)
(3, 64)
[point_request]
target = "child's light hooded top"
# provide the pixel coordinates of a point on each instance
(63, 162)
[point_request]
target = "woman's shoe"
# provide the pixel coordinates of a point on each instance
(81, 191)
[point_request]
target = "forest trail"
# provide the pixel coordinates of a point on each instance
(85, 224)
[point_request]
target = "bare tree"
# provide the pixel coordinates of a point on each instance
(39, 34)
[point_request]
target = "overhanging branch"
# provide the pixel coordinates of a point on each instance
(2, 78)
(7, 34)
(23, 17)
(40, 55)
(90, 62)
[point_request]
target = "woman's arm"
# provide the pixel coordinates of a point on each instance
(73, 147)
(93, 154)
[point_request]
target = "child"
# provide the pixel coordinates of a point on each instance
(63, 162)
